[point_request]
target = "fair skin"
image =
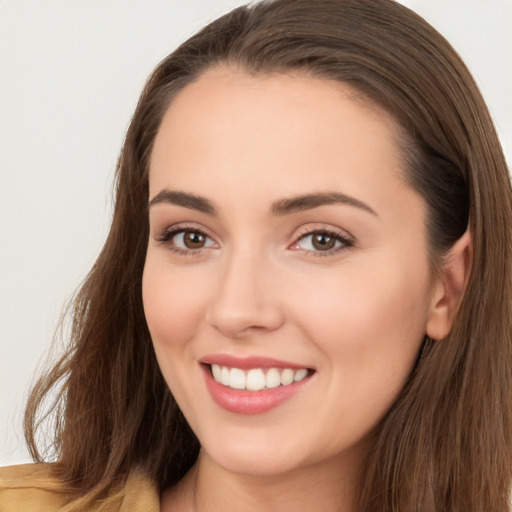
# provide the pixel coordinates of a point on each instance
(339, 285)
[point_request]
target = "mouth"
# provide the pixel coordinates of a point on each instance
(257, 379)
(252, 385)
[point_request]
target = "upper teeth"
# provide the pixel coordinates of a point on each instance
(256, 379)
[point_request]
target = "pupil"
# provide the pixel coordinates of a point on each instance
(193, 240)
(323, 242)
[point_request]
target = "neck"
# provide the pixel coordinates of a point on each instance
(208, 487)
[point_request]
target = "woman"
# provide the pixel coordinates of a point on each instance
(305, 297)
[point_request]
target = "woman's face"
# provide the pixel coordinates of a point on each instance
(284, 244)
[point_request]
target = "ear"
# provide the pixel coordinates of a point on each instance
(449, 287)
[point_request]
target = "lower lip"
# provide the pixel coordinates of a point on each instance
(249, 402)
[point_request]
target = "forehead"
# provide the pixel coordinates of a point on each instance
(296, 131)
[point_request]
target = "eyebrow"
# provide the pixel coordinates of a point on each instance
(309, 201)
(184, 199)
(278, 208)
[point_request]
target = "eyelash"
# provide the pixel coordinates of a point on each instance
(345, 242)
(166, 237)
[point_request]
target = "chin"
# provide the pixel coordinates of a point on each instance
(258, 457)
(254, 463)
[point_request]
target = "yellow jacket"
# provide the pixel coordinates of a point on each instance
(31, 488)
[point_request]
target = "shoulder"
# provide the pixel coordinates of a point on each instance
(34, 488)
(31, 487)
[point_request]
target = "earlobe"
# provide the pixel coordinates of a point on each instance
(450, 287)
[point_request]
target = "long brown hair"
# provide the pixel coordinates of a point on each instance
(446, 444)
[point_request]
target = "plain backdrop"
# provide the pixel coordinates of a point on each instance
(70, 75)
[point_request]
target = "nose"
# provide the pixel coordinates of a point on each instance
(245, 300)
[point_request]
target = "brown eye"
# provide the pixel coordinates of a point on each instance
(323, 241)
(183, 240)
(194, 240)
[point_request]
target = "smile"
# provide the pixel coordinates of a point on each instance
(256, 379)
(253, 385)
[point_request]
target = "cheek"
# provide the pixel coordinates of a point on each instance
(173, 303)
(369, 324)
(369, 330)
(358, 302)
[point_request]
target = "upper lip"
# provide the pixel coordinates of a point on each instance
(248, 362)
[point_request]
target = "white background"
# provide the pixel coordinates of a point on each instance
(70, 75)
